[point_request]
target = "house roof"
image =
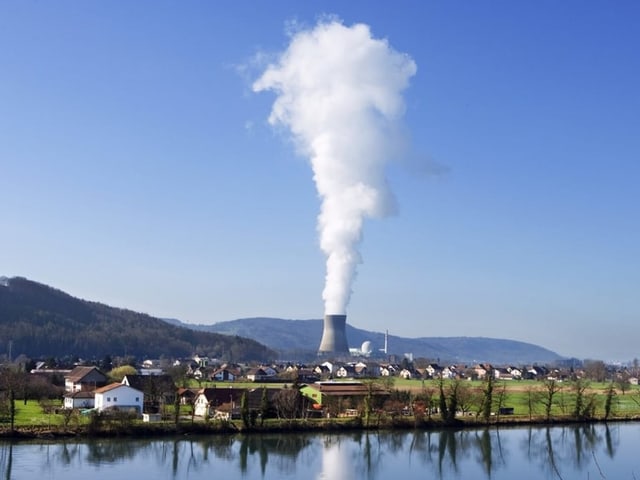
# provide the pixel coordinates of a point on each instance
(78, 373)
(80, 394)
(146, 383)
(114, 386)
(232, 371)
(188, 392)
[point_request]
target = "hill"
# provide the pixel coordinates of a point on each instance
(41, 321)
(301, 338)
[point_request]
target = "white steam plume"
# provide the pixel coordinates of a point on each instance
(340, 93)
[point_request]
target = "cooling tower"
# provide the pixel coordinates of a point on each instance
(334, 335)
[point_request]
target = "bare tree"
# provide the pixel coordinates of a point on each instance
(595, 370)
(288, 403)
(551, 388)
(622, 381)
(466, 397)
(500, 399)
(533, 397)
(608, 403)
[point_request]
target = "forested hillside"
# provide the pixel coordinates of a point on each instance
(40, 321)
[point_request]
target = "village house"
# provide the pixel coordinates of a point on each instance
(81, 399)
(269, 370)
(480, 371)
(346, 371)
(256, 375)
(300, 373)
(201, 360)
(187, 396)
(449, 372)
(207, 400)
(225, 375)
(500, 373)
(119, 397)
(84, 379)
(323, 371)
(433, 370)
(388, 370)
(194, 371)
(367, 369)
(516, 373)
(224, 403)
(536, 372)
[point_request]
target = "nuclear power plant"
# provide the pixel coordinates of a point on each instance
(334, 335)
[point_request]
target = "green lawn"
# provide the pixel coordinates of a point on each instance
(31, 414)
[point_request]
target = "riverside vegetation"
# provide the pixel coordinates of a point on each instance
(405, 404)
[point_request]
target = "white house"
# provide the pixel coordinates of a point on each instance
(516, 373)
(203, 402)
(405, 373)
(328, 365)
(118, 396)
(270, 371)
(224, 375)
(81, 399)
(448, 372)
(256, 374)
(346, 371)
(388, 370)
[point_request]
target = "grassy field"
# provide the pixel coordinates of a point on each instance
(32, 414)
(526, 396)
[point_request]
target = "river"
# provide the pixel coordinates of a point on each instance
(585, 452)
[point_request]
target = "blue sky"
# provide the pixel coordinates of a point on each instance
(137, 167)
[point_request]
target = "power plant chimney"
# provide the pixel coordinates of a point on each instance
(334, 335)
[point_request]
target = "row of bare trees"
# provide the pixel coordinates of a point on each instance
(458, 397)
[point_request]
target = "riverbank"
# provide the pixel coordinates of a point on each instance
(138, 429)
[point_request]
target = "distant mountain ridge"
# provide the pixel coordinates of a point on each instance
(298, 338)
(40, 321)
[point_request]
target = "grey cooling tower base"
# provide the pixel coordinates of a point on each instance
(334, 335)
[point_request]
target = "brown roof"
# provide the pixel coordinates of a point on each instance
(188, 392)
(79, 373)
(80, 394)
(112, 386)
(148, 383)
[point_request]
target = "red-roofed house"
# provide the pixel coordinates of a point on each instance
(118, 396)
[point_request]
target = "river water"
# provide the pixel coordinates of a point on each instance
(585, 452)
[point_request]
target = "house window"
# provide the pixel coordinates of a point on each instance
(108, 399)
(137, 399)
(115, 399)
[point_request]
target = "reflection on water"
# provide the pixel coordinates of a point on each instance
(579, 451)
